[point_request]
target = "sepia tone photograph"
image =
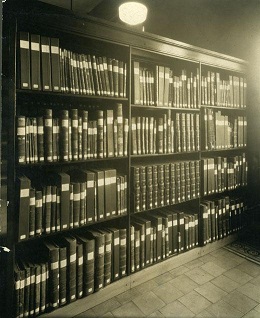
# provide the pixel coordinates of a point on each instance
(130, 158)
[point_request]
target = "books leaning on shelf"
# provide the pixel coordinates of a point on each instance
(44, 65)
(229, 92)
(72, 136)
(221, 217)
(161, 185)
(161, 135)
(155, 237)
(223, 173)
(159, 86)
(69, 200)
(223, 131)
(68, 267)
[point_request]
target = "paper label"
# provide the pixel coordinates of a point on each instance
(45, 48)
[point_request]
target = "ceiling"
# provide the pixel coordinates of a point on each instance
(228, 26)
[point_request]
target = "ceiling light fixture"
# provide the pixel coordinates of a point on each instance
(132, 13)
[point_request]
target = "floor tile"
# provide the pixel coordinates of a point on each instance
(106, 306)
(194, 302)
(199, 276)
(211, 292)
(240, 301)
(163, 278)
(257, 308)
(194, 263)
(252, 314)
(250, 290)
(148, 302)
(176, 310)
(156, 314)
(207, 258)
(167, 292)
(225, 262)
(203, 314)
(250, 268)
(222, 309)
(213, 269)
(128, 310)
(142, 288)
(88, 313)
(183, 283)
(238, 276)
(179, 271)
(225, 283)
(108, 314)
(128, 295)
(256, 281)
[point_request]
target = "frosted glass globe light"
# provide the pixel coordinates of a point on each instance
(132, 13)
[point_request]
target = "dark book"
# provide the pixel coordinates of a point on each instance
(24, 207)
(100, 193)
(46, 64)
(136, 80)
(132, 249)
(147, 236)
(110, 133)
(32, 213)
(139, 244)
(25, 62)
(88, 263)
(100, 134)
(120, 78)
(79, 270)
(48, 135)
(44, 275)
(125, 136)
(55, 64)
(137, 256)
(35, 62)
(115, 65)
(62, 274)
(21, 139)
(51, 251)
(107, 256)
(181, 230)
(99, 258)
(120, 129)
(38, 213)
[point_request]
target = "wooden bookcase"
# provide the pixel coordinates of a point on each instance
(94, 36)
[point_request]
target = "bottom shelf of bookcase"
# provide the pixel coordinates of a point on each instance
(137, 278)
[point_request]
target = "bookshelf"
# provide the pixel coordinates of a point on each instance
(106, 161)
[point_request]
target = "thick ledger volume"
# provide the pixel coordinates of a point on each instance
(25, 61)
(55, 64)
(24, 207)
(46, 64)
(35, 62)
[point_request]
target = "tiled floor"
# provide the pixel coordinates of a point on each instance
(218, 284)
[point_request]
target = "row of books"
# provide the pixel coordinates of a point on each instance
(72, 136)
(159, 86)
(156, 236)
(223, 173)
(62, 200)
(220, 217)
(161, 135)
(67, 268)
(45, 66)
(224, 93)
(223, 131)
(165, 184)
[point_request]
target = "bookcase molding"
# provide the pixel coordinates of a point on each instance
(132, 45)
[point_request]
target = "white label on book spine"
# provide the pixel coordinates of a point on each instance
(65, 123)
(48, 122)
(65, 187)
(54, 265)
(35, 46)
(24, 193)
(108, 248)
(136, 70)
(142, 237)
(116, 241)
(90, 256)
(181, 221)
(123, 242)
(38, 203)
(63, 263)
(90, 184)
(169, 224)
(113, 180)
(101, 250)
(75, 123)
(120, 120)
(48, 198)
(24, 44)
(73, 258)
(32, 201)
(101, 182)
(40, 130)
(21, 131)
(110, 120)
(54, 49)
(22, 284)
(137, 243)
(80, 260)
(159, 227)
(76, 197)
(107, 181)
(174, 222)
(45, 48)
